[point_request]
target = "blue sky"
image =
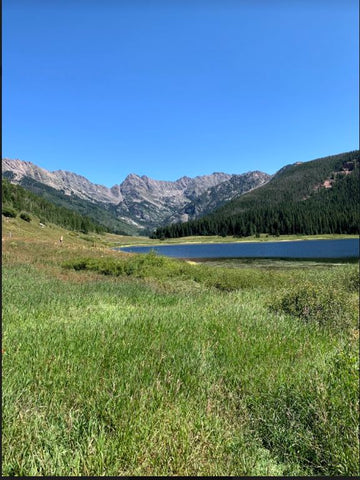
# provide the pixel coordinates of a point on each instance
(167, 88)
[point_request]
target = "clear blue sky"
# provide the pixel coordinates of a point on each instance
(167, 88)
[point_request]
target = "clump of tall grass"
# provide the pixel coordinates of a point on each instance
(307, 418)
(160, 267)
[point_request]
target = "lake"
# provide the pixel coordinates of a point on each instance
(344, 248)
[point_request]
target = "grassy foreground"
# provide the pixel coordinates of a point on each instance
(118, 364)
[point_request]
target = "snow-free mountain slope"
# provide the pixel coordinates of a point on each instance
(140, 201)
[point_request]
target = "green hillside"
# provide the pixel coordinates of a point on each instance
(296, 182)
(316, 197)
(16, 200)
(104, 215)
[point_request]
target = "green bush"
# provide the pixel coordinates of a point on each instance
(323, 304)
(349, 280)
(138, 265)
(160, 267)
(8, 212)
(25, 216)
(352, 282)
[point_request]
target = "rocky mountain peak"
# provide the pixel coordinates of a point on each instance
(141, 200)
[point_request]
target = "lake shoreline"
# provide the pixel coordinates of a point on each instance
(286, 249)
(232, 240)
(272, 263)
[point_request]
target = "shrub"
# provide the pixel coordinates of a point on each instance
(348, 279)
(352, 281)
(139, 265)
(323, 304)
(25, 216)
(8, 212)
(161, 267)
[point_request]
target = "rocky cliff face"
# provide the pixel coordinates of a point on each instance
(66, 182)
(217, 195)
(143, 201)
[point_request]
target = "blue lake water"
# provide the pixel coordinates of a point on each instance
(345, 248)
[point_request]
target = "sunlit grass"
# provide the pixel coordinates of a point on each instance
(169, 368)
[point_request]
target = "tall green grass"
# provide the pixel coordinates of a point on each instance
(164, 368)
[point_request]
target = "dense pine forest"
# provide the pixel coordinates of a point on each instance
(100, 215)
(16, 200)
(317, 197)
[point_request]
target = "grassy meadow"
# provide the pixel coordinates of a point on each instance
(125, 365)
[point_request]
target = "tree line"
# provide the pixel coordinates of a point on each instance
(330, 210)
(19, 200)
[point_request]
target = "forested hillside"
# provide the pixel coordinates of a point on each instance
(138, 204)
(17, 200)
(320, 196)
(104, 215)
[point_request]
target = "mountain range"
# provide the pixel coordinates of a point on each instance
(138, 204)
(318, 196)
(314, 197)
